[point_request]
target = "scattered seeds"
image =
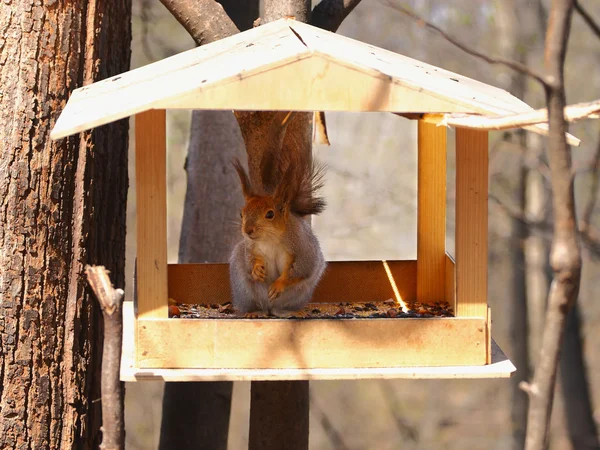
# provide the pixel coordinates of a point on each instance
(335, 311)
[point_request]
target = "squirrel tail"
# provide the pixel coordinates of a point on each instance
(309, 182)
(300, 184)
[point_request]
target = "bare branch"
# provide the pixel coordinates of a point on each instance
(529, 389)
(590, 236)
(335, 438)
(111, 302)
(587, 18)
(494, 61)
(205, 20)
(329, 14)
(565, 257)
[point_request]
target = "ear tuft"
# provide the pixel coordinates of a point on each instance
(244, 179)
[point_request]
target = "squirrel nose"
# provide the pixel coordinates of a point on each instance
(249, 231)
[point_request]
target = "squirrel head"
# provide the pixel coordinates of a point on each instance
(264, 217)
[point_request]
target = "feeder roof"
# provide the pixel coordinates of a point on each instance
(284, 65)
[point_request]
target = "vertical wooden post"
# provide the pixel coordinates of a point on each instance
(151, 206)
(431, 213)
(471, 222)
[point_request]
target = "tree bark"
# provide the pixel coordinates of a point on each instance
(279, 415)
(565, 254)
(62, 206)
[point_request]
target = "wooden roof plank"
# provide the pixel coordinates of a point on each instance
(410, 72)
(177, 76)
(284, 65)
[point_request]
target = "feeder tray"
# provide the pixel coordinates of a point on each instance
(289, 66)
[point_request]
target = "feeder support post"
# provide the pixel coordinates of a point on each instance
(431, 213)
(151, 207)
(471, 222)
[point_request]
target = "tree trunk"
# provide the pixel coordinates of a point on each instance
(205, 21)
(512, 33)
(279, 411)
(62, 207)
(575, 387)
(279, 415)
(196, 415)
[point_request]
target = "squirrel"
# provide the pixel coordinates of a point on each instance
(277, 265)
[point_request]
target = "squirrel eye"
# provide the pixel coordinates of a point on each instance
(270, 214)
(241, 215)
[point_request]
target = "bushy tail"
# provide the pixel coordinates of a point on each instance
(291, 175)
(309, 182)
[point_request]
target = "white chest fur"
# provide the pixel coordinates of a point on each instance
(274, 256)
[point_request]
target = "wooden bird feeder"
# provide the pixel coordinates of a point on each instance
(287, 65)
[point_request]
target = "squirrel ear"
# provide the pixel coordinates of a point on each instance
(244, 180)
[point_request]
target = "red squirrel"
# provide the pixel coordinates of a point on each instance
(277, 265)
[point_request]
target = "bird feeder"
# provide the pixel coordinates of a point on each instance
(290, 66)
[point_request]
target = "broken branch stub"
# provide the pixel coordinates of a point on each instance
(111, 302)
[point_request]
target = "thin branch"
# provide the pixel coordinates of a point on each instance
(406, 430)
(494, 61)
(335, 437)
(590, 235)
(587, 18)
(329, 14)
(111, 302)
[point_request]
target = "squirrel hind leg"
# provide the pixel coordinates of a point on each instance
(293, 298)
(249, 296)
(297, 296)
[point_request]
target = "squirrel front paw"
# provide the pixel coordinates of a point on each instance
(277, 288)
(259, 273)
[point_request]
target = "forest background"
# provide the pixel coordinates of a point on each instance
(371, 193)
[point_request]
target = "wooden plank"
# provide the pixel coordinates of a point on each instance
(343, 281)
(500, 367)
(450, 281)
(471, 222)
(319, 343)
(431, 213)
(488, 330)
(314, 88)
(151, 206)
(312, 69)
(140, 89)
